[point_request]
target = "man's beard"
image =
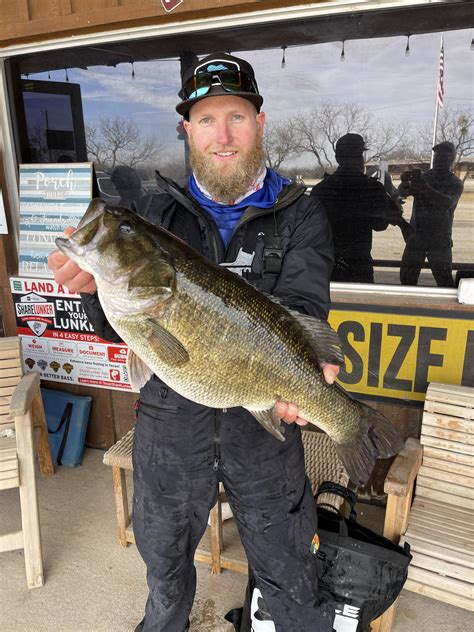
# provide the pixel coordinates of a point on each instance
(233, 180)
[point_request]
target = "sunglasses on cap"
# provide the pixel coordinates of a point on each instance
(218, 72)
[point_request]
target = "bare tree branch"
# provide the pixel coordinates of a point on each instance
(456, 124)
(280, 142)
(320, 128)
(118, 141)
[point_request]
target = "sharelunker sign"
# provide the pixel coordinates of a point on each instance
(58, 340)
(394, 354)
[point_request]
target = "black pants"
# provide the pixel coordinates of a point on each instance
(181, 451)
(439, 256)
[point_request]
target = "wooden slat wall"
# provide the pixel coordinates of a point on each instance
(10, 375)
(30, 20)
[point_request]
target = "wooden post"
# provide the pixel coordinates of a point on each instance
(43, 448)
(121, 503)
(29, 501)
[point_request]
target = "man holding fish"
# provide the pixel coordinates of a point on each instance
(199, 421)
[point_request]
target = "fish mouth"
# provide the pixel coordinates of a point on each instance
(86, 230)
(69, 247)
(84, 238)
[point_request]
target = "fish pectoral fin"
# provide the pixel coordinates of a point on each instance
(138, 372)
(165, 345)
(270, 422)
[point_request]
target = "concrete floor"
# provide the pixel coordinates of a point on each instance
(94, 585)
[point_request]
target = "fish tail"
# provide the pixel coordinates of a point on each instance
(376, 439)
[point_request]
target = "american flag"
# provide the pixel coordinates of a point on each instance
(441, 77)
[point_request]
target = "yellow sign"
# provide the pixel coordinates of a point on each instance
(396, 355)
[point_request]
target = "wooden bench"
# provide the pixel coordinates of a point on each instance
(119, 457)
(439, 525)
(441, 521)
(11, 374)
(20, 400)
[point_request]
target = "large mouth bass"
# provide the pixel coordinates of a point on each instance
(215, 339)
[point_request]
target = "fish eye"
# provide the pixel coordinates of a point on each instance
(125, 228)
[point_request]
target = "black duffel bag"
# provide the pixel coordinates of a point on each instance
(360, 573)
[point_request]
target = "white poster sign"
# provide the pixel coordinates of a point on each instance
(52, 197)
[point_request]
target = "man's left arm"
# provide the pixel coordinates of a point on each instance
(303, 283)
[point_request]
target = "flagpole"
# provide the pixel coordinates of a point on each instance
(439, 95)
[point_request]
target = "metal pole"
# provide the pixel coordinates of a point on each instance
(435, 126)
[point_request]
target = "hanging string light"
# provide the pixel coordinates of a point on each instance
(283, 61)
(343, 55)
(49, 75)
(472, 43)
(133, 70)
(67, 76)
(407, 49)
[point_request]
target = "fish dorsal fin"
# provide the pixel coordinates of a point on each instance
(138, 372)
(322, 337)
(270, 422)
(165, 345)
(324, 340)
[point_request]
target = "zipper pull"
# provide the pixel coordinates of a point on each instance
(215, 467)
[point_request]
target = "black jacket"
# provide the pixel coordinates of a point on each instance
(298, 228)
(434, 206)
(356, 205)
